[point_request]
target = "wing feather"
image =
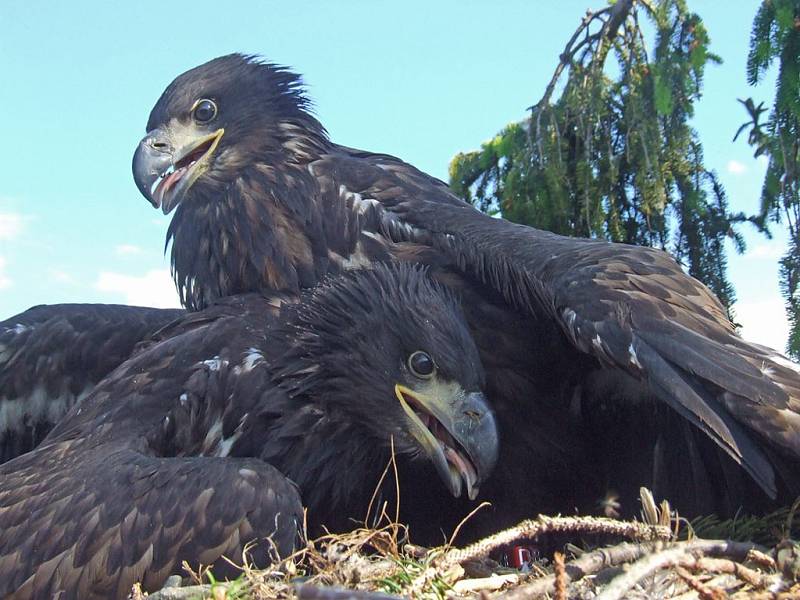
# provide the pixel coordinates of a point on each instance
(53, 355)
(97, 539)
(634, 310)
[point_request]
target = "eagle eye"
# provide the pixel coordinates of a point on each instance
(204, 111)
(421, 365)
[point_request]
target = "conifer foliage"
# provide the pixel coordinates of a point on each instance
(608, 151)
(775, 39)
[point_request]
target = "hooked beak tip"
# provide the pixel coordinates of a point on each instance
(459, 435)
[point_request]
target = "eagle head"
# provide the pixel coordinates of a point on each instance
(386, 350)
(209, 124)
(226, 148)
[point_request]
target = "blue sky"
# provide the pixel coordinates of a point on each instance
(420, 80)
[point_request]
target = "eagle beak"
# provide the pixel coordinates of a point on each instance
(169, 160)
(457, 430)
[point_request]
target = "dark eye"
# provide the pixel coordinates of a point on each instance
(421, 364)
(204, 111)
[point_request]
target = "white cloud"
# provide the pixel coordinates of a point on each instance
(10, 225)
(764, 322)
(736, 168)
(127, 249)
(5, 282)
(154, 288)
(768, 250)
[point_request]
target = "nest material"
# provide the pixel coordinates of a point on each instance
(646, 559)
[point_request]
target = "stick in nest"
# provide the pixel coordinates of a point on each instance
(687, 555)
(560, 576)
(543, 525)
(534, 528)
(705, 592)
(588, 564)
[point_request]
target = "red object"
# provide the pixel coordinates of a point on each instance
(520, 556)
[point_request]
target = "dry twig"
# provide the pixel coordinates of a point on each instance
(493, 583)
(761, 559)
(686, 554)
(588, 564)
(705, 592)
(560, 575)
(543, 525)
(529, 529)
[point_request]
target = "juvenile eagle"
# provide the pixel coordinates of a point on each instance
(213, 435)
(608, 366)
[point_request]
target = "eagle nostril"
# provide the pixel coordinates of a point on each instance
(158, 145)
(473, 414)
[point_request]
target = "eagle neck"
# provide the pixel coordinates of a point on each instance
(334, 461)
(262, 232)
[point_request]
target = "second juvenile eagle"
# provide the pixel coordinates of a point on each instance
(608, 366)
(217, 434)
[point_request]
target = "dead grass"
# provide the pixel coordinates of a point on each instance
(659, 556)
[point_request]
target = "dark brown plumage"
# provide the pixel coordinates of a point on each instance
(609, 368)
(636, 311)
(211, 436)
(51, 356)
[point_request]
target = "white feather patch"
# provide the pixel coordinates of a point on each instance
(224, 447)
(214, 364)
(251, 358)
(633, 358)
(213, 436)
(17, 413)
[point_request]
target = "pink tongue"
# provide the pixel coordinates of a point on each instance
(464, 467)
(173, 178)
(169, 181)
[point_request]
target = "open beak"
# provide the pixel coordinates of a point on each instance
(169, 160)
(457, 430)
